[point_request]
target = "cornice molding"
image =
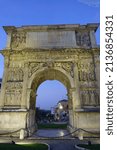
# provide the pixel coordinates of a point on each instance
(34, 28)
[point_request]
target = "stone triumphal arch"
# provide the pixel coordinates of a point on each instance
(33, 54)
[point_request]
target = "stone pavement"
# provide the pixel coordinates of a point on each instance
(51, 133)
(61, 144)
(65, 143)
(58, 144)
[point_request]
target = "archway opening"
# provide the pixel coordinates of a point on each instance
(51, 75)
(52, 105)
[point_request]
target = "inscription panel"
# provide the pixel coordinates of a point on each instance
(51, 39)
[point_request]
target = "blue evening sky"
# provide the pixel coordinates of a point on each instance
(45, 12)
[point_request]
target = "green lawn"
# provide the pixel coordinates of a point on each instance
(92, 147)
(52, 126)
(23, 147)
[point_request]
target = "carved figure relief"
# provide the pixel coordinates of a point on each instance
(67, 66)
(83, 39)
(18, 39)
(86, 72)
(89, 98)
(86, 76)
(15, 74)
(14, 85)
(8, 99)
(13, 93)
(97, 98)
(48, 64)
(85, 98)
(12, 98)
(92, 98)
(33, 67)
(78, 38)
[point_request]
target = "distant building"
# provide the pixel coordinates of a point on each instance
(61, 111)
(52, 110)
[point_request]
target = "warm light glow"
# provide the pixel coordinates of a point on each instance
(61, 133)
(60, 106)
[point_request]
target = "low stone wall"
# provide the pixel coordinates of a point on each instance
(87, 124)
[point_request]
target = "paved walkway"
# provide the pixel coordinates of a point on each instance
(63, 144)
(51, 133)
(66, 143)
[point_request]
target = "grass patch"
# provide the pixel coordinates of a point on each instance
(23, 147)
(52, 126)
(91, 147)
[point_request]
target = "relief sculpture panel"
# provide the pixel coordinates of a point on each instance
(86, 71)
(90, 98)
(13, 93)
(33, 67)
(83, 39)
(18, 40)
(13, 99)
(67, 66)
(15, 74)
